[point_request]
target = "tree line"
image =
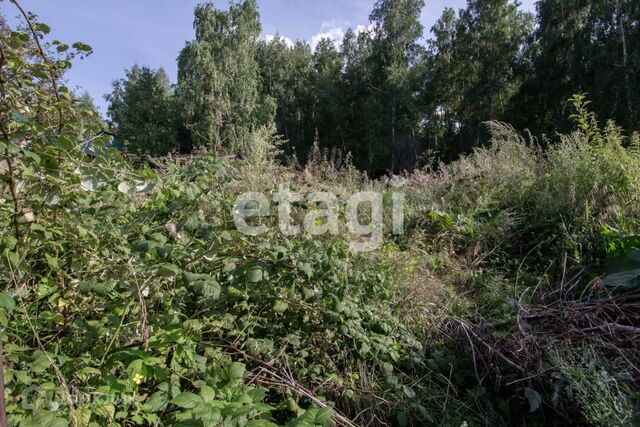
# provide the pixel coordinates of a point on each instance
(388, 94)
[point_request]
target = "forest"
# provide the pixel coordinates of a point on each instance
(391, 92)
(500, 151)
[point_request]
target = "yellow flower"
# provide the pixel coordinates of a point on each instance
(61, 304)
(137, 378)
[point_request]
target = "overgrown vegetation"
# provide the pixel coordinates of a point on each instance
(129, 297)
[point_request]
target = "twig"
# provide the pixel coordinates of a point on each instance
(490, 347)
(609, 327)
(286, 380)
(52, 76)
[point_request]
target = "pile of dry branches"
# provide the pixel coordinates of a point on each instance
(573, 316)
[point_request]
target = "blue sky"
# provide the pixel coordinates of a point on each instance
(152, 32)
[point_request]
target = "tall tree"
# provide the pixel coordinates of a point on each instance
(585, 46)
(363, 106)
(396, 51)
(218, 77)
(329, 117)
(475, 69)
(142, 107)
(287, 75)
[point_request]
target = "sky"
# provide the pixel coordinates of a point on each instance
(152, 32)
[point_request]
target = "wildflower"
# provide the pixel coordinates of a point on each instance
(137, 378)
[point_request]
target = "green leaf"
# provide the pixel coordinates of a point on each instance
(255, 275)
(168, 270)
(7, 301)
(92, 287)
(187, 400)
(43, 28)
(107, 411)
(158, 237)
(261, 423)
(211, 289)
(157, 402)
(13, 258)
(33, 156)
(82, 415)
(57, 422)
(207, 393)
(229, 266)
(40, 362)
(323, 416)
(306, 269)
(65, 142)
(293, 339)
(144, 246)
(408, 391)
(52, 261)
(10, 242)
(82, 47)
(280, 306)
(235, 371)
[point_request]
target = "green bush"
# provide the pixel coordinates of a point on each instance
(129, 298)
(518, 196)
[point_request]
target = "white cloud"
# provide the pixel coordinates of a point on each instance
(332, 30)
(269, 37)
(335, 31)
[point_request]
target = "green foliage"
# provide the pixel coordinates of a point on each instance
(287, 74)
(361, 99)
(475, 68)
(142, 107)
(395, 51)
(506, 225)
(384, 96)
(130, 298)
(576, 41)
(218, 77)
(601, 397)
(563, 196)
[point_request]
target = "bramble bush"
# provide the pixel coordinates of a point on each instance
(129, 298)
